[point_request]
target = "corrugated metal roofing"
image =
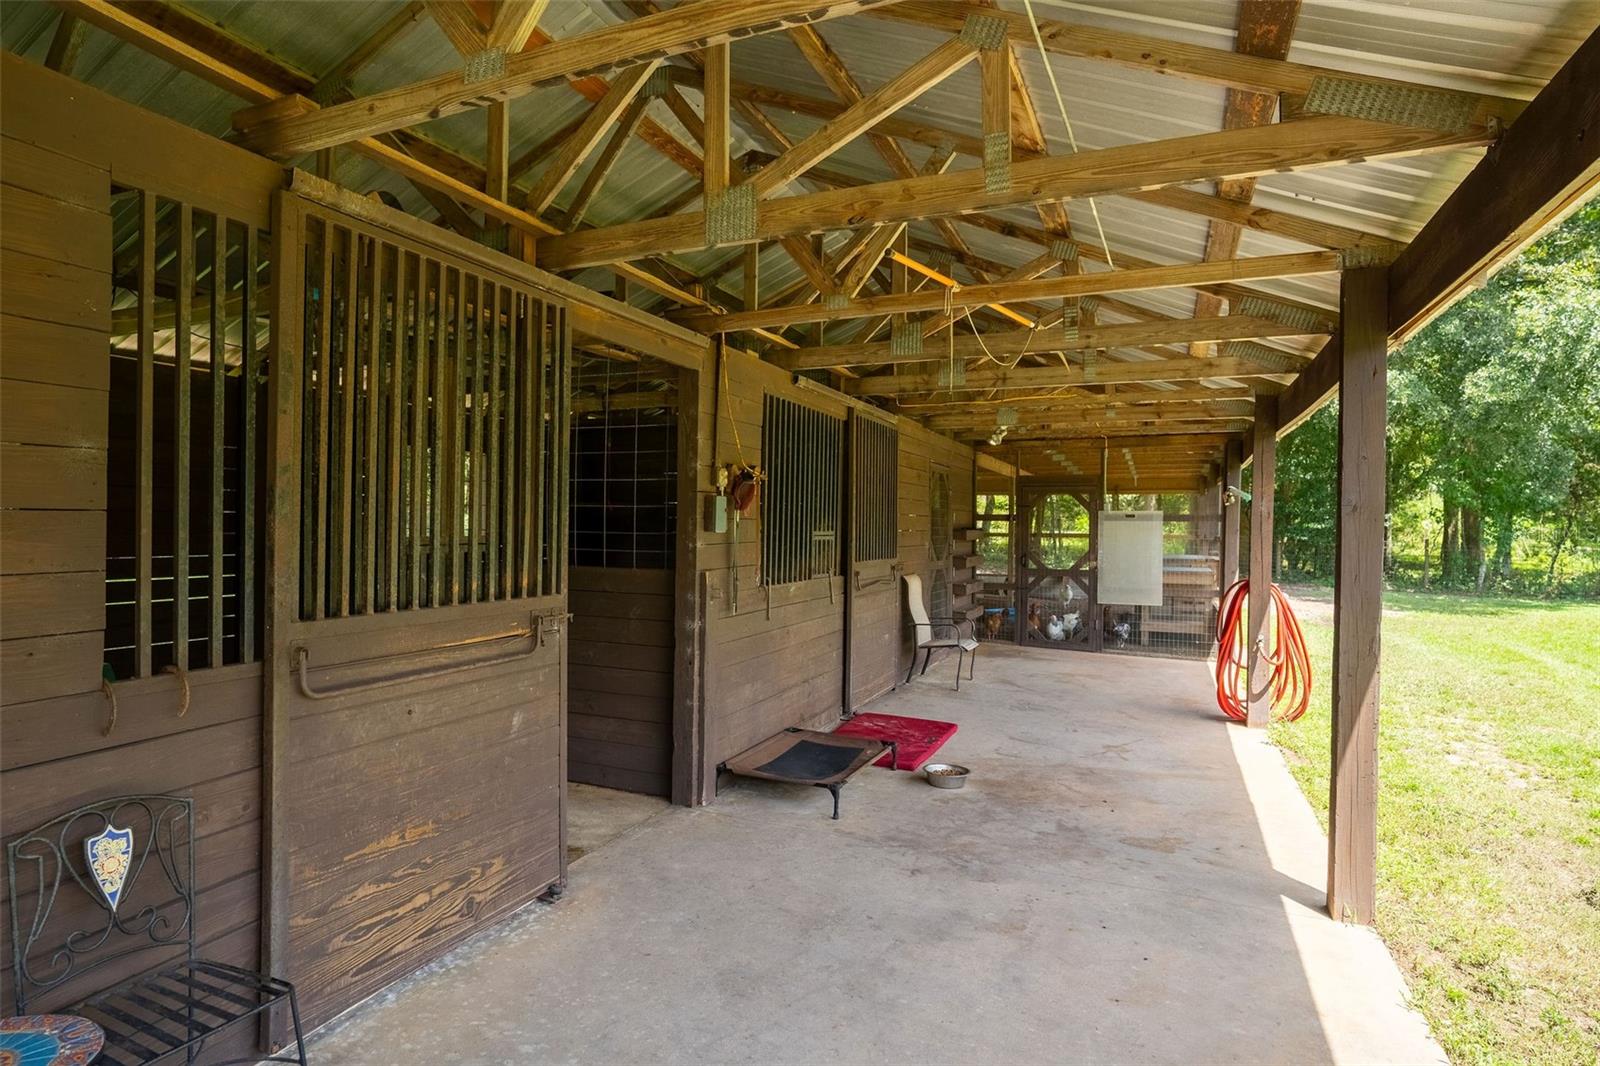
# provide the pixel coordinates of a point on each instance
(1508, 48)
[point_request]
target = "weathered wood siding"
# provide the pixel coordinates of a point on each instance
(621, 676)
(62, 146)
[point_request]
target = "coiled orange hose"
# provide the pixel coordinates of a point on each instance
(1283, 648)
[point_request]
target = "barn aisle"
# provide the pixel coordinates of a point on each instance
(1124, 878)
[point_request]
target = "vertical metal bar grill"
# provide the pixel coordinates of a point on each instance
(802, 450)
(430, 475)
(876, 456)
(183, 469)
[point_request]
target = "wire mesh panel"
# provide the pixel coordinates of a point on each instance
(876, 452)
(1055, 576)
(1184, 625)
(429, 397)
(624, 463)
(802, 452)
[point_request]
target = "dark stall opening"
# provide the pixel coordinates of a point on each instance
(624, 529)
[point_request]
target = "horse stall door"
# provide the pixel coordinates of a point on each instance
(417, 565)
(624, 526)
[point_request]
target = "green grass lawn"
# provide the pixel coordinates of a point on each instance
(1488, 814)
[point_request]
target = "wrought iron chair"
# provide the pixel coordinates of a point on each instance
(142, 926)
(930, 635)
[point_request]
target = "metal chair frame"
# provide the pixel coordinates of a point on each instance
(159, 1013)
(965, 645)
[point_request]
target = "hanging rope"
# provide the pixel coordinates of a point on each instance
(1061, 106)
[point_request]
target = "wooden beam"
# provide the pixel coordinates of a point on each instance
(1048, 342)
(1232, 508)
(1258, 713)
(459, 25)
(338, 78)
(1286, 146)
(718, 126)
(1044, 377)
(514, 23)
(626, 127)
(861, 116)
(1158, 277)
(65, 44)
(1358, 596)
(1156, 55)
(684, 28)
(1266, 220)
(575, 149)
(1543, 168)
(1264, 29)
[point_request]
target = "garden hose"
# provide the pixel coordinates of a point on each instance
(1283, 647)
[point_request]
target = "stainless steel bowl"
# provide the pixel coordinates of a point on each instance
(945, 774)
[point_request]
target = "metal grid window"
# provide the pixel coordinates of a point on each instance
(876, 454)
(802, 451)
(624, 464)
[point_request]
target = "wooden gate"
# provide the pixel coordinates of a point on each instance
(417, 563)
(1058, 535)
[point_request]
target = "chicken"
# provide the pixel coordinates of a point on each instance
(1054, 629)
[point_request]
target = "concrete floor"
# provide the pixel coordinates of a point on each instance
(1124, 879)
(599, 816)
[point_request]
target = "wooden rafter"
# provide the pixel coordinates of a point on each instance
(1047, 377)
(1087, 338)
(397, 25)
(1265, 28)
(716, 132)
(684, 28)
(514, 23)
(575, 149)
(1154, 277)
(1286, 146)
(459, 24)
(626, 127)
(1157, 55)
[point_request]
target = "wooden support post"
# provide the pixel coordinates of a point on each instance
(1261, 493)
(718, 72)
(497, 161)
(752, 277)
(1358, 595)
(1232, 507)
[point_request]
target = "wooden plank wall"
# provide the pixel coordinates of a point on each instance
(621, 679)
(62, 146)
(779, 660)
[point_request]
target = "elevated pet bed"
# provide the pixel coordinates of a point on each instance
(806, 757)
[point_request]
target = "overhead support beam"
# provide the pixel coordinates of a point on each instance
(1155, 277)
(593, 181)
(859, 117)
(1047, 341)
(684, 28)
(718, 126)
(514, 23)
(65, 44)
(1266, 220)
(1263, 488)
(459, 24)
(1358, 596)
(337, 80)
(1304, 144)
(1045, 377)
(1156, 55)
(1540, 171)
(575, 149)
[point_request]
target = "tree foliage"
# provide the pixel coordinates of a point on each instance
(1494, 426)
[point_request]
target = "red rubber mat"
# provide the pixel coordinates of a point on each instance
(917, 738)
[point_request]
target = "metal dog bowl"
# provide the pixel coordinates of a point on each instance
(945, 774)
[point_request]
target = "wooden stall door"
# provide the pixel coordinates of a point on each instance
(415, 738)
